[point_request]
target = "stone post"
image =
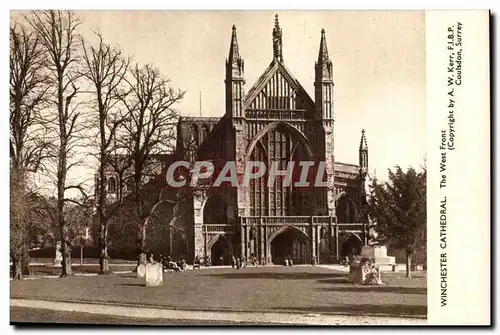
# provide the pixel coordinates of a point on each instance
(337, 242)
(318, 240)
(199, 240)
(242, 239)
(313, 241)
(262, 253)
(247, 240)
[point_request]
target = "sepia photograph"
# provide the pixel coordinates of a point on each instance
(221, 167)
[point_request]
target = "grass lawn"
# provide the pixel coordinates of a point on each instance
(76, 261)
(40, 270)
(303, 289)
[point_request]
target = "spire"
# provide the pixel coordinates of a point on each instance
(235, 66)
(362, 145)
(277, 40)
(324, 66)
(234, 53)
(323, 50)
(235, 79)
(363, 154)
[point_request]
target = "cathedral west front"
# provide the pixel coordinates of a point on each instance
(275, 120)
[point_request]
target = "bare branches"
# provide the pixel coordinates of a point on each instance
(29, 92)
(148, 129)
(148, 116)
(105, 69)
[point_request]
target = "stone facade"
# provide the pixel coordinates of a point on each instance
(275, 121)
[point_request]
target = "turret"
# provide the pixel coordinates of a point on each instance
(235, 69)
(363, 154)
(323, 84)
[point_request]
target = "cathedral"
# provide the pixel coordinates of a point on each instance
(274, 121)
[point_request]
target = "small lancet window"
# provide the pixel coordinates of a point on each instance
(112, 185)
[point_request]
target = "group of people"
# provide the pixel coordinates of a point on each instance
(371, 273)
(237, 262)
(168, 264)
(288, 261)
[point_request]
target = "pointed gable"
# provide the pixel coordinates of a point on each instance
(277, 88)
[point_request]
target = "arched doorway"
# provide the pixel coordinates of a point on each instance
(219, 252)
(351, 246)
(290, 243)
(346, 210)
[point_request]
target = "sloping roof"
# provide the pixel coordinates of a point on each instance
(265, 77)
(199, 119)
(346, 168)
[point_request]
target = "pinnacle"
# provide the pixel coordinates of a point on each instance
(323, 50)
(363, 145)
(233, 48)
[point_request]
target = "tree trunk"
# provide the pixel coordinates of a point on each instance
(104, 261)
(142, 258)
(25, 261)
(16, 270)
(408, 263)
(66, 263)
(104, 258)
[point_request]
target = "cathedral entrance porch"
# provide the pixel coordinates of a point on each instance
(306, 239)
(291, 243)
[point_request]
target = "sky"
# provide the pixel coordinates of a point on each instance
(378, 64)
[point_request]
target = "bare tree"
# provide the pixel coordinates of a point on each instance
(28, 143)
(105, 68)
(149, 129)
(57, 34)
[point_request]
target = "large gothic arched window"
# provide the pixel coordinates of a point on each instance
(280, 145)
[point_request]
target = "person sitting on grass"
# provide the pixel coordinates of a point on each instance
(183, 264)
(174, 266)
(375, 276)
(370, 273)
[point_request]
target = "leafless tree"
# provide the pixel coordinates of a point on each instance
(105, 68)
(28, 143)
(57, 34)
(148, 132)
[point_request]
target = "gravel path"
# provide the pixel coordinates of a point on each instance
(231, 317)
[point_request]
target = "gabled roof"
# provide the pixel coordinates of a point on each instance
(266, 76)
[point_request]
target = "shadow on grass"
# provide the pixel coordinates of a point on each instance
(132, 284)
(333, 281)
(381, 289)
(271, 275)
(127, 275)
(365, 310)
